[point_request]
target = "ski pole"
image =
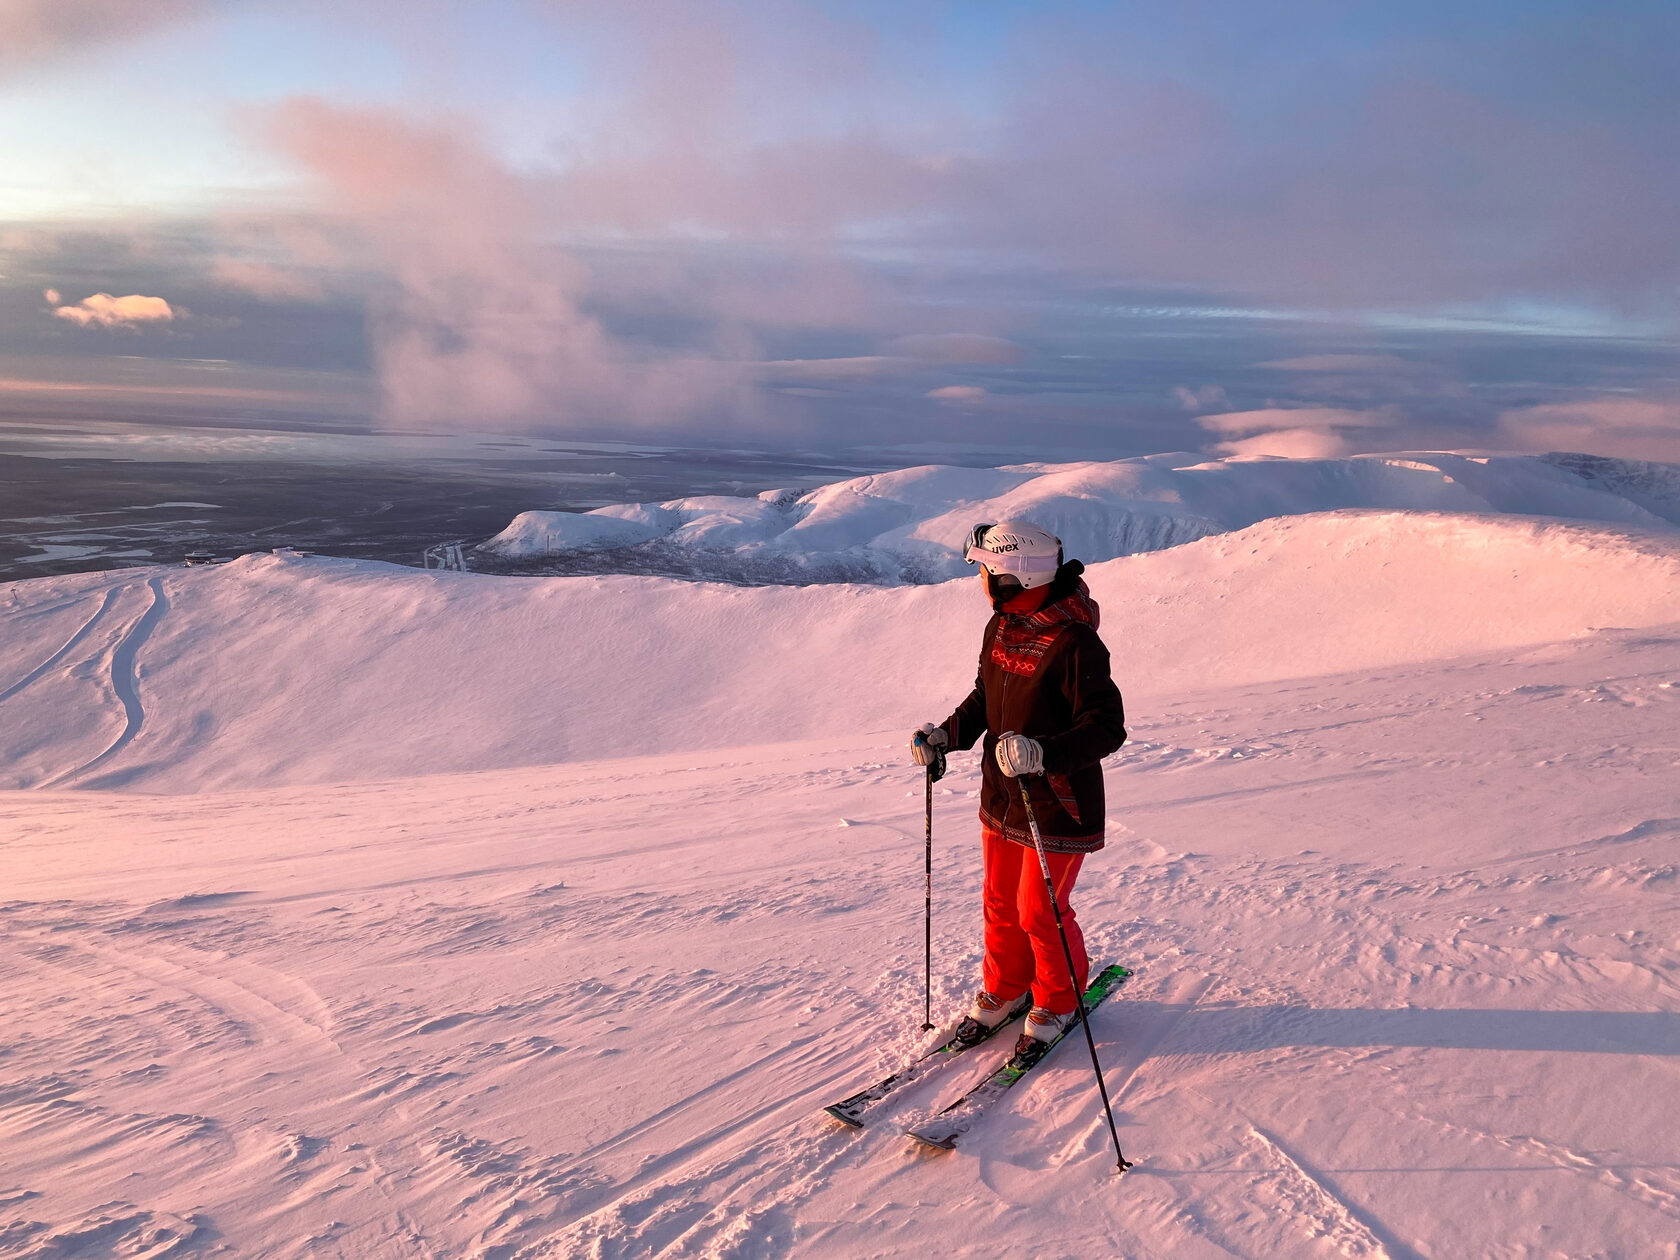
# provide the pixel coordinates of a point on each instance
(1067, 952)
(935, 771)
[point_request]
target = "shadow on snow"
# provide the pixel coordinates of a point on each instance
(1239, 1030)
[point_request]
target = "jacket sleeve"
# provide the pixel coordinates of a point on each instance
(1099, 717)
(968, 723)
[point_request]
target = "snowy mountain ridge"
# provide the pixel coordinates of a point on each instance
(908, 526)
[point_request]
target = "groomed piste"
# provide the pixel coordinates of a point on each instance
(355, 910)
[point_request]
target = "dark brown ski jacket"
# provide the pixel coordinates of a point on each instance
(1046, 675)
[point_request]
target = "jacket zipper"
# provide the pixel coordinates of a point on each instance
(1003, 712)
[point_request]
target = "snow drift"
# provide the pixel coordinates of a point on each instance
(908, 526)
(283, 669)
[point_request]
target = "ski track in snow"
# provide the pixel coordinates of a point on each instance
(82, 632)
(121, 667)
(1301, 1196)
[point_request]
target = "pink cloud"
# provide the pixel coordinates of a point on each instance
(715, 120)
(703, 122)
(956, 395)
(483, 322)
(104, 311)
(121, 391)
(266, 280)
(1292, 432)
(706, 118)
(1289, 444)
(33, 30)
(1294, 419)
(1630, 428)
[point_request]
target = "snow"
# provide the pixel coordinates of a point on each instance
(279, 669)
(909, 526)
(423, 913)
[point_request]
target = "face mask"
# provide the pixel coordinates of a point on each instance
(1002, 588)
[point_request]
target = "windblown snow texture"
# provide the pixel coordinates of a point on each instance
(909, 526)
(381, 912)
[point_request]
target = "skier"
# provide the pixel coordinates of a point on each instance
(1050, 712)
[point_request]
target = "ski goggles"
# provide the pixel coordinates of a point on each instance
(1004, 561)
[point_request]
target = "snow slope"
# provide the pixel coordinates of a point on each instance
(909, 526)
(283, 669)
(432, 914)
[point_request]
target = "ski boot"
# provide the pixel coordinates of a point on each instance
(1042, 1029)
(986, 1015)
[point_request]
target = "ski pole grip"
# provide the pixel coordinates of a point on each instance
(936, 767)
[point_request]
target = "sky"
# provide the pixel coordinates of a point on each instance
(1298, 228)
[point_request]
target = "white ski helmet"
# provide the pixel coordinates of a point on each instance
(1026, 552)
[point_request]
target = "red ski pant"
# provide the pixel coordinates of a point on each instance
(1023, 949)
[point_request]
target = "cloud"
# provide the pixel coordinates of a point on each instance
(1436, 164)
(126, 391)
(53, 296)
(1408, 192)
(104, 311)
(842, 368)
(705, 122)
(1294, 419)
(1208, 396)
(959, 348)
(266, 280)
(1343, 363)
(734, 183)
(955, 395)
(1293, 432)
(1289, 444)
(1629, 428)
(1346, 380)
(479, 316)
(480, 321)
(1414, 181)
(32, 31)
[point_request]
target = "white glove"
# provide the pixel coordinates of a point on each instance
(928, 743)
(1018, 755)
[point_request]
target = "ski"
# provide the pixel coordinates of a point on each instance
(850, 1110)
(943, 1130)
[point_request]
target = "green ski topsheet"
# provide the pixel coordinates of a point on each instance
(943, 1129)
